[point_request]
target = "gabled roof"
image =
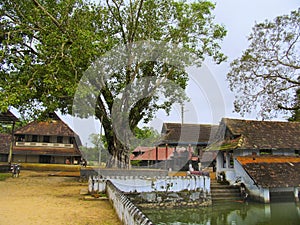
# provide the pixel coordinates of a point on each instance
(52, 126)
(194, 134)
(254, 134)
(272, 171)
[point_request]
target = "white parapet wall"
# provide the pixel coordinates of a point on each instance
(128, 184)
(127, 212)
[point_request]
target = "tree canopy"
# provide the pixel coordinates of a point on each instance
(266, 77)
(47, 47)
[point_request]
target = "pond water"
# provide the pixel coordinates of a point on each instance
(235, 213)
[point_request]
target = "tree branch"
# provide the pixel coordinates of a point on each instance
(280, 106)
(49, 15)
(118, 18)
(136, 20)
(276, 76)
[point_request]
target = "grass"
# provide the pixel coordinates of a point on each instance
(4, 176)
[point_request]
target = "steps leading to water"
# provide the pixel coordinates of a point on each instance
(224, 193)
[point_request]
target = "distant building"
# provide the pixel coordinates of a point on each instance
(157, 157)
(6, 143)
(193, 137)
(47, 141)
(261, 154)
(180, 145)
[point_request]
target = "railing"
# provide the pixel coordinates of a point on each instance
(43, 144)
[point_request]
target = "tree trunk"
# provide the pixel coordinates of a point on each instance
(119, 155)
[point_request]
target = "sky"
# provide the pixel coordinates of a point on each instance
(208, 90)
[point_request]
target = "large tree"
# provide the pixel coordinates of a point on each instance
(266, 77)
(46, 47)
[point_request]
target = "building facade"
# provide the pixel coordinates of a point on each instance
(269, 145)
(47, 141)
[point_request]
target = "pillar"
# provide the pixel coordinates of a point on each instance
(227, 159)
(266, 195)
(296, 194)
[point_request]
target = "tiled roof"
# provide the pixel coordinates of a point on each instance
(5, 140)
(272, 171)
(177, 133)
(142, 149)
(149, 153)
(49, 127)
(252, 134)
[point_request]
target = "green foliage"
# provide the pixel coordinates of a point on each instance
(4, 176)
(44, 49)
(92, 153)
(145, 137)
(46, 46)
(296, 111)
(6, 128)
(266, 77)
(135, 162)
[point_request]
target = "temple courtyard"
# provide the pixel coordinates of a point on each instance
(45, 198)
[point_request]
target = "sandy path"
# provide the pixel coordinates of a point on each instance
(36, 198)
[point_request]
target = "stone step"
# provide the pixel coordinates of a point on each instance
(223, 187)
(223, 200)
(213, 195)
(233, 192)
(224, 193)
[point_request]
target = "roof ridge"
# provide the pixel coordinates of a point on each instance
(195, 124)
(253, 120)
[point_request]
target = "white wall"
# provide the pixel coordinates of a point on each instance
(140, 184)
(127, 212)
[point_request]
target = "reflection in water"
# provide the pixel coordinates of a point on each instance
(230, 214)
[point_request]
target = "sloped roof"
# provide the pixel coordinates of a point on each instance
(5, 140)
(8, 116)
(272, 171)
(142, 149)
(252, 134)
(149, 153)
(54, 126)
(194, 134)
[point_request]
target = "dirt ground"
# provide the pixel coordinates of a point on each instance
(37, 198)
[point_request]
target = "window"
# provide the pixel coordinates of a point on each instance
(21, 137)
(71, 140)
(59, 139)
(297, 152)
(34, 138)
(46, 139)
